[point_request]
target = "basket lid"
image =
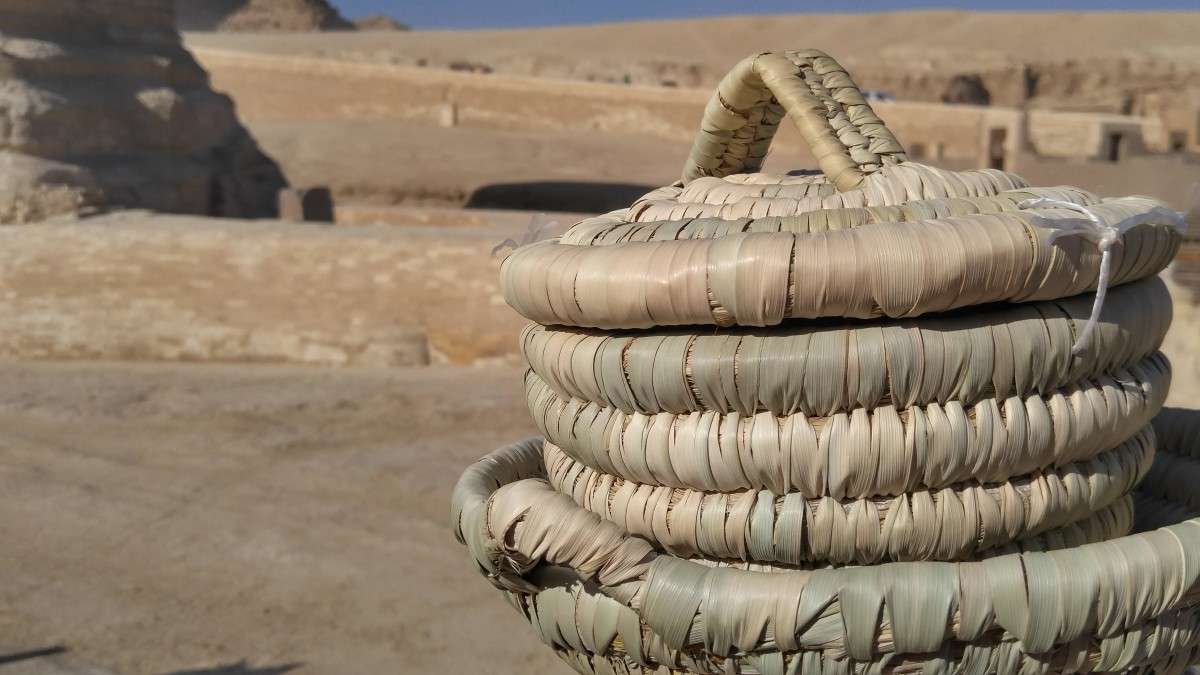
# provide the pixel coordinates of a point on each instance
(870, 234)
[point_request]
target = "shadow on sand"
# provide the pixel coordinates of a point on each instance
(569, 196)
(240, 668)
(17, 657)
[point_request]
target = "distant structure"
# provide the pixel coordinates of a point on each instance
(259, 16)
(380, 22)
(969, 89)
(306, 205)
(103, 107)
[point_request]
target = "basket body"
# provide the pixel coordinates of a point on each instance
(879, 417)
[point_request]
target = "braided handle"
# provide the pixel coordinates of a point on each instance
(844, 134)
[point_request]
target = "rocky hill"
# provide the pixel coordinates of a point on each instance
(380, 22)
(259, 16)
(104, 107)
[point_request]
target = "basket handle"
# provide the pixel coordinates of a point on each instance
(845, 135)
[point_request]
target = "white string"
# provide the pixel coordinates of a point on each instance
(1093, 228)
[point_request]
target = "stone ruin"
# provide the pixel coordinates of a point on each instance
(967, 89)
(103, 107)
(259, 15)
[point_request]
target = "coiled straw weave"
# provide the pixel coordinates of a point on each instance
(952, 523)
(820, 369)
(872, 418)
(609, 603)
(1123, 604)
(883, 451)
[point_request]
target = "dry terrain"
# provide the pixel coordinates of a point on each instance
(155, 287)
(183, 519)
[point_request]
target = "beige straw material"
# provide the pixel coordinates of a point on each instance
(763, 195)
(844, 134)
(760, 279)
(638, 224)
(818, 368)
(1124, 605)
(863, 453)
(594, 634)
(871, 235)
(952, 523)
(1109, 522)
(1115, 520)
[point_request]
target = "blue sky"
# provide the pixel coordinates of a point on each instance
(515, 13)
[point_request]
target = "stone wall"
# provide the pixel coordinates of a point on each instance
(1139, 63)
(1089, 136)
(101, 106)
(137, 286)
(938, 133)
(265, 88)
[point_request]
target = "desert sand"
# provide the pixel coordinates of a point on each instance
(171, 519)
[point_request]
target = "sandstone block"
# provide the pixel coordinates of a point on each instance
(306, 205)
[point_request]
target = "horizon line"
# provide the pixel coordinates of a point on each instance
(759, 15)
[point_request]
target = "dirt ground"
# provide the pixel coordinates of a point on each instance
(237, 520)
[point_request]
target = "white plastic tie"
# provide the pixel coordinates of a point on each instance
(1093, 228)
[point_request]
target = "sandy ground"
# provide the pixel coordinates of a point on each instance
(184, 519)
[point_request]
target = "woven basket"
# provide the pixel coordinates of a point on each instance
(608, 603)
(748, 249)
(941, 392)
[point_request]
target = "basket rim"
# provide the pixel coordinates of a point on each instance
(901, 270)
(512, 525)
(710, 218)
(641, 652)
